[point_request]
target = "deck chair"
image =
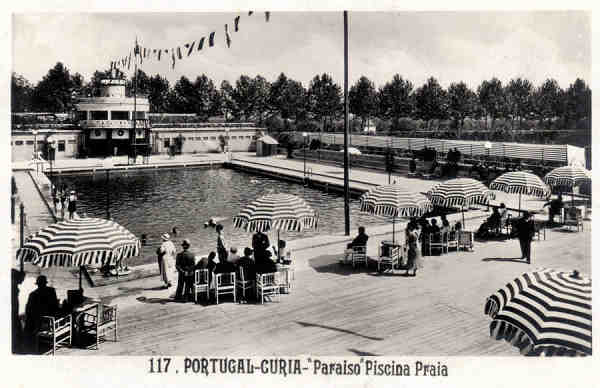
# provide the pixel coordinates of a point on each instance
(359, 256)
(267, 284)
(243, 284)
(100, 321)
(437, 241)
(391, 260)
(465, 240)
(225, 285)
(452, 240)
(573, 216)
(201, 284)
(54, 331)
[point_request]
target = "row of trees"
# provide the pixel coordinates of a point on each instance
(255, 99)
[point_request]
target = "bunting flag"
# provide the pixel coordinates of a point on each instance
(211, 39)
(159, 51)
(129, 61)
(227, 37)
(267, 16)
(191, 48)
(200, 43)
(179, 53)
(144, 52)
(236, 22)
(173, 58)
(250, 13)
(136, 51)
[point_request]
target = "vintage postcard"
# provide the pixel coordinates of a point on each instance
(304, 194)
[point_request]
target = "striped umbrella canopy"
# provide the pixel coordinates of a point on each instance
(545, 312)
(283, 212)
(459, 192)
(521, 182)
(570, 176)
(80, 241)
(394, 201)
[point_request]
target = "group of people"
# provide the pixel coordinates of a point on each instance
(492, 225)
(67, 199)
(452, 160)
(261, 258)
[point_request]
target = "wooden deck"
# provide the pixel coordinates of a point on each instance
(335, 310)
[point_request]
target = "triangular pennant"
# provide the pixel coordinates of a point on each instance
(236, 22)
(267, 16)
(250, 13)
(179, 53)
(129, 62)
(227, 37)
(159, 51)
(211, 39)
(173, 58)
(191, 48)
(200, 43)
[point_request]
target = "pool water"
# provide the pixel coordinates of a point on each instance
(152, 202)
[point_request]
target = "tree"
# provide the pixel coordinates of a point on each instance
(324, 98)
(362, 99)
(204, 98)
(548, 99)
(287, 98)
(519, 98)
(142, 87)
(158, 94)
(182, 99)
(260, 95)
(492, 99)
(395, 99)
(578, 101)
(54, 93)
(227, 101)
(431, 101)
(21, 94)
(92, 88)
(243, 95)
(461, 103)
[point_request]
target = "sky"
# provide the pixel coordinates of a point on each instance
(451, 46)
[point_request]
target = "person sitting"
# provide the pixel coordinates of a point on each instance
(495, 219)
(233, 256)
(360, 240)
(556, 206)
(41, 302)
(247, 264)
(434, 228)
(457, 226)
(265, 264)
(210, 223)
(445, 223)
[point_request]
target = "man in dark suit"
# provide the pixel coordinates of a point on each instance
(260, 244)
(185, 264)
(42, 302)
(247, 264)
(360, 240)
(525, 232)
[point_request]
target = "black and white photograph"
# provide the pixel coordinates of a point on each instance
(361, 196)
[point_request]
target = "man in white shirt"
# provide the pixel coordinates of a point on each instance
(166, 259)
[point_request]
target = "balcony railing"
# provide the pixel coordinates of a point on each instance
(140, 123)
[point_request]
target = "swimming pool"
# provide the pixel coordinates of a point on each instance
(152, 202)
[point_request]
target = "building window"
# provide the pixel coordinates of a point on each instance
(140, 115)
(61, 146)
(213, 138)
(71, 141)
(119, 115)
(81, 115)
(29, 142)
(233, 137)
(167, 143)
(199, 138)
(99, 114)
(205, 138)
(19, 142)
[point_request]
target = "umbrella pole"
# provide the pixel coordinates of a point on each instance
(394, 230)
(278, 249)
(519, 204)
(80, 273)
(462, 209)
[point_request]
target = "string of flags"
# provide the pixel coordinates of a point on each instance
(145, 53)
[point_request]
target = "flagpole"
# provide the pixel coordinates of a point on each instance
(346, 172)
(135, 104)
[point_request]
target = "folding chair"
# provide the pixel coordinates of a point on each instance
(573, 217)
(201, 284)
(56, 332)
(266, 285)
(452, 240)
(438, 241)
(391, 259)
(100, 321)
(359, 256)
(465, 240)
(242, 284)
(225, 285)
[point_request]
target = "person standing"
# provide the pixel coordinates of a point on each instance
(184, 262)
(260, 244)
(166, 257)
(221, 244)
(41, 302)
(525, 232)
(72, 206)
(415, 258)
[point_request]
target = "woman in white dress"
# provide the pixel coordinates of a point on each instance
(166, 259)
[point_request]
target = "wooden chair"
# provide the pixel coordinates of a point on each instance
(285, 278)
(465, 240)
(201, 284)
(573, 216)
(359, 256)
(452, 240)
(225, 285)
(266, 285)
(437, 241)
(56, 332)
(392, 259)
(99, 321)
(243, 284)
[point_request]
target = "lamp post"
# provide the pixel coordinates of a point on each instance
(304, 136)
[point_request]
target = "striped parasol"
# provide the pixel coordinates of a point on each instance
(394, 201)
(78, 242)
(570, 176)
(545, 312)
(283, 212)
(461, 192)
(522, 183)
